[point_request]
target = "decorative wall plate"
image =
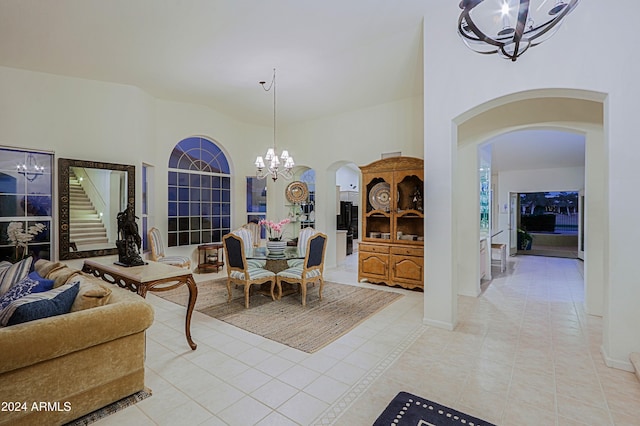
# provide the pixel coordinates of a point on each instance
(297, 192)
(380, 196)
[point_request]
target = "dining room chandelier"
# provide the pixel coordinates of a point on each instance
(30, 169)
(510, 27)
(270, 165)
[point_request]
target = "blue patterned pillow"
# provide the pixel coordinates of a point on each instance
(40, 305)
(11, 273)
(18, 290)
(43, 283)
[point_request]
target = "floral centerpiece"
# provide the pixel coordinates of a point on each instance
(275, 245)
(274, 229)
(20, 238)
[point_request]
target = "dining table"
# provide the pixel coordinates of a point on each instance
(274, 263)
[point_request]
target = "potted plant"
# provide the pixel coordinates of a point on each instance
(20, 238)
(275, 244)
(525, 240)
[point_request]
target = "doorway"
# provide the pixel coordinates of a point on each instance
(509, 114)
(548, 223)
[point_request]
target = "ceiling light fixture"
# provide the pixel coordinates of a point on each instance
(271, 157)
(511, 29)
(31, 170)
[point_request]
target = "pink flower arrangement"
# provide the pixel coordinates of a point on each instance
(274, 229)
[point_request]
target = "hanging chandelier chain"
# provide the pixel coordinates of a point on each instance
(266, 89)
(273, 160)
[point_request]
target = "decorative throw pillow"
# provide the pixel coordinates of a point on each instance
(62, 275)
(20, 289)
(91, 294)
(40, 305)
(44, 284)
(11, 273)
(44, 267)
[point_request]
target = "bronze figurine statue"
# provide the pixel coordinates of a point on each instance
(129, 241)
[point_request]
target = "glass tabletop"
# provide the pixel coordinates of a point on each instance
(263, 253)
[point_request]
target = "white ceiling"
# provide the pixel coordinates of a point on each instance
(331, 56)
(537, 149)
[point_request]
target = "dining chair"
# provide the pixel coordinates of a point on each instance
(311, 270)
(158, 254)
(254, 228)
(304, 236)
(247, 238)
(238, 270)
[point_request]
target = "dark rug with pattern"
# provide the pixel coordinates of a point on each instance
(112, 408)
(407, 409)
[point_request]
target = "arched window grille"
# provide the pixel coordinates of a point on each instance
(199, 193)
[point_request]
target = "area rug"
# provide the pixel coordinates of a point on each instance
(307, 328)
(407, 409)
(112, 408)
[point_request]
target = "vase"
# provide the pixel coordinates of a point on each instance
(276, 248)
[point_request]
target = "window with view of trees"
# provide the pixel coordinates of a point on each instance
(199, 193)
(552, 212)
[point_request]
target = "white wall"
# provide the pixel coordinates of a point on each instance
(535, 180)
(348, 179)
(577, 57)
(98, 121)
(358, 137)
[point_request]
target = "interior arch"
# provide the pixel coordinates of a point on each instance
(562, 109)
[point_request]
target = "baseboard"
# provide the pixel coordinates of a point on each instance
(438, 324)
(635, 361)
(616, 363)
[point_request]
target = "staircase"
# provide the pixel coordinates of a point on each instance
(85, 225)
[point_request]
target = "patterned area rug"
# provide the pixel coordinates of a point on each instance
(111, 408)
(407, 409)
(307, 328)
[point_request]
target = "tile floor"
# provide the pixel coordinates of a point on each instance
(524, 353)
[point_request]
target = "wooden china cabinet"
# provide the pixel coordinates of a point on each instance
(391, 247)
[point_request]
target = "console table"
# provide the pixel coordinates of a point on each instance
(152, 277)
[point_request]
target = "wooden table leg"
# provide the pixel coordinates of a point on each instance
(193, 295)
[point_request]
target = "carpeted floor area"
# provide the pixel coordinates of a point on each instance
(307, 328)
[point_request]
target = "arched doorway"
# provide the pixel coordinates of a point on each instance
(573, 111)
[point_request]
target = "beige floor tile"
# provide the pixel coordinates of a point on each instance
(524, 352)
(303, 408)
(579, 411)
(274, 393)
(246, 411)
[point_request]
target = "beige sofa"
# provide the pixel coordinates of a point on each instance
(57, 369)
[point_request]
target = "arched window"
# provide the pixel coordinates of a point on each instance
(199, 193)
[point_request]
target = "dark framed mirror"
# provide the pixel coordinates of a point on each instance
(90, 195)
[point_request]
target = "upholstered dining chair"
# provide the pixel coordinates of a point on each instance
(247, 239)
(239, 272)
(311, 270)
(158, 254)
(254, 228)
(304, 236)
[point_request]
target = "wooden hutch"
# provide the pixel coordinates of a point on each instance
(391, 248)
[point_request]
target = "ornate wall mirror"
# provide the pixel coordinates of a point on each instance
(91, 194)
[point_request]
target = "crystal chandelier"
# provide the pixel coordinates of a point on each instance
(511, 29)
(273, 161)
(31, 170)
